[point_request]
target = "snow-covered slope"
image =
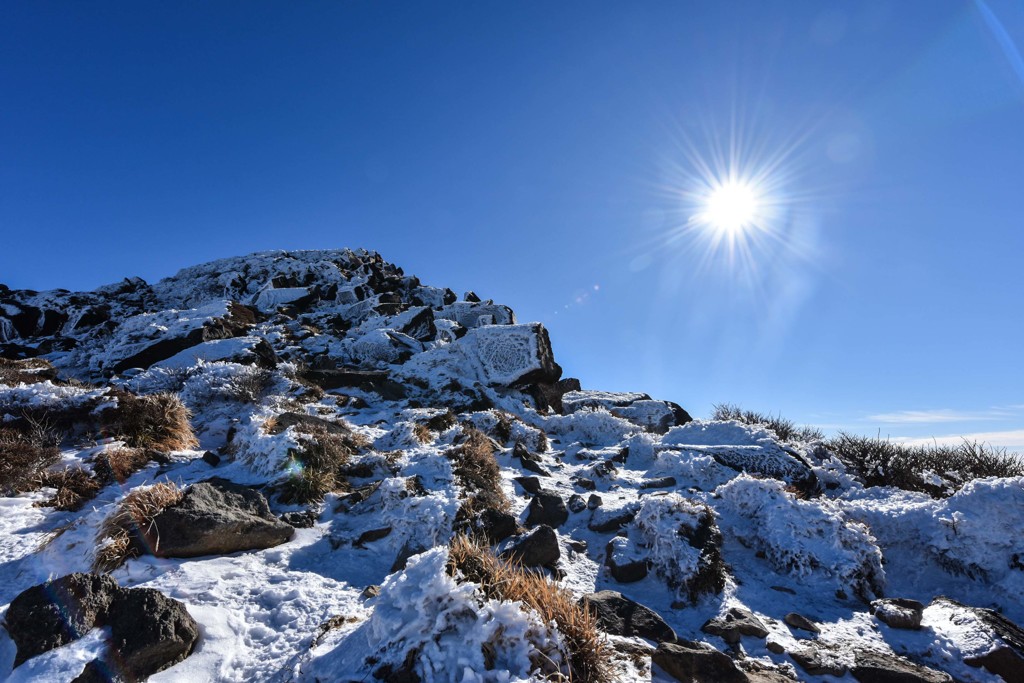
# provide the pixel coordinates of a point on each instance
(706, 523)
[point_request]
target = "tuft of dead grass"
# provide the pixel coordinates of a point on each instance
(75, 487)
(422, 433)
(117, 540)
(785, 430)
(441, 422)
(26, 371)
(477, 472)
(587, 654)
(119, 464)
(158, 421)
(316, 467)
(22, 461)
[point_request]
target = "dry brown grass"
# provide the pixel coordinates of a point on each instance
(159, 421)
(22, 461)
(117, 539)
(316, 466)
(422, 433)
(119, 464)
(479, 475)
(75, 487)
(587, 654)
(26, 371)
(441, 422)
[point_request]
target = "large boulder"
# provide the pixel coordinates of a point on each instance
(216, 518)
(149, 632)
(547, 508)
(149, 338)
(58, 612)
(871, 666)
(620, 616)
(694, 662)
(898, 612)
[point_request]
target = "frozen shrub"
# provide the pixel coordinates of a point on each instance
(27, 371)
(224, 381)
(784, 429)
(427, 626)
(805, 538)
(596, 427)
(682, 543)
(584, 650)
(935, 470)
(118, 538)
(158, 421)
(314, 467)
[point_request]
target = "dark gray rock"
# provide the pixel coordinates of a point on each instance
(594, 501)
(497, 525)
(372, 535)
(410, 549)
(576, 503)
(530, 484)
(880, 667)
(736, 622)
(301, 519)
(692, 662)
(621, 616)
(606, 520)
(150, 632)
(659, 483)
(624, 566)
(547, 508)
(539, 548)
(816, 662)
(376, 381)
(898, 612)
(801, 622)
(58, 612)
(216, 518)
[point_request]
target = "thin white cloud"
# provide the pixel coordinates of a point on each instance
(1012, 439)
(930, 416)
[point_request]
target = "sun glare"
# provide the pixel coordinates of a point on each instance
(731, 207)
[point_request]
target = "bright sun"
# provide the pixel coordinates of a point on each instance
(731, 207)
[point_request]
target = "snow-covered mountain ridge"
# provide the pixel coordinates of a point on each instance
(279, 458)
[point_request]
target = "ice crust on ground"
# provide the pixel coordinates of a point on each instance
(799, 533)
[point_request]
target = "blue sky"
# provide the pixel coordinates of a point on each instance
(546, 155)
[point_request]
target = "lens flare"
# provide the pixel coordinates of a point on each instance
(731, 207)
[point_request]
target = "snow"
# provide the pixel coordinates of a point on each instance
(261, 613)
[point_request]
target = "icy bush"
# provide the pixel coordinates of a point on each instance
(657, 525)
(681, 541)
(224, 381)
(452, 632)
(265, 454)
(47, 395)
(691, 469)
(424, 519)
(804, 537)
(594, 427)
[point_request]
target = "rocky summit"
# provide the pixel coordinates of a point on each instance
(311, 466)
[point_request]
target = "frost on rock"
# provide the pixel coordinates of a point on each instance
(496, 355)
(806, 538)
(447, 631)
(742, 447)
